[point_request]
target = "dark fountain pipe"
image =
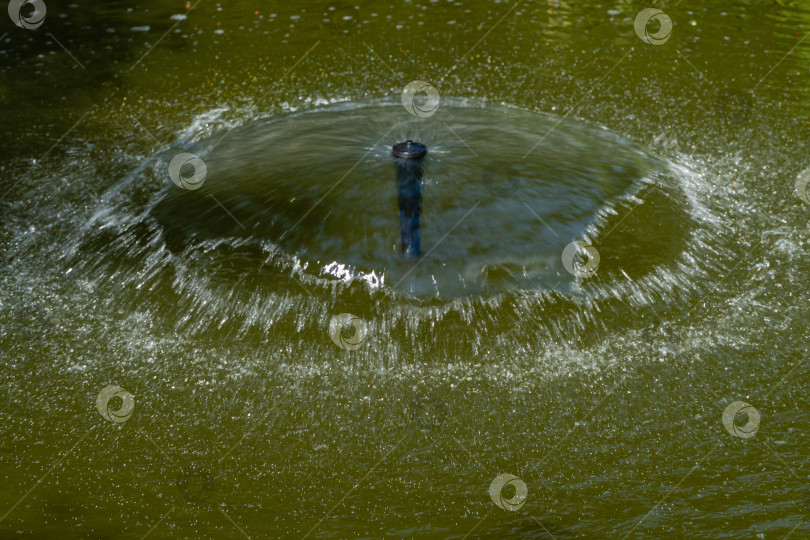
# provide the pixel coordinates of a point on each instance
(409, 156)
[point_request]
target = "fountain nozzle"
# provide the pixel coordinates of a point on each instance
(409, 150)
(409, 185)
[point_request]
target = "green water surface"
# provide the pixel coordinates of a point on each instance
(240, 417)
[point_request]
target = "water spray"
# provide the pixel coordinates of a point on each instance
(409, 156)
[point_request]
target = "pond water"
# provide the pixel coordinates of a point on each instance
(208, 329)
